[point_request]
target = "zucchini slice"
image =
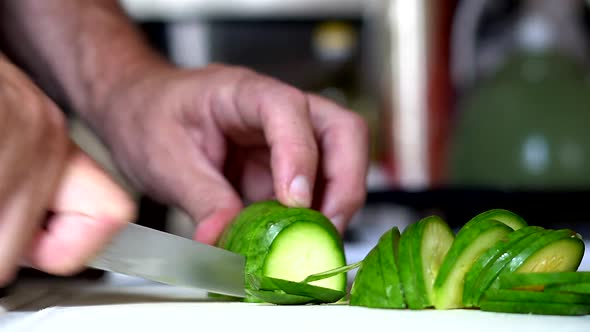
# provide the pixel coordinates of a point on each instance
(509, 295)
(490, 274)
(504, 216)
(319, 294)
(540, 280)
(377, 283)
(576, 288)
(490, 258)
(556, 251)
(560, 309)
(468, 245)
(279, 298)
(285, 243)
(423, 247)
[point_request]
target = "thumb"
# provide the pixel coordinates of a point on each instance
(88, 209)
(210, 201)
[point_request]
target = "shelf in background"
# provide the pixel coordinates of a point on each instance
(192, 9)
(458, 205)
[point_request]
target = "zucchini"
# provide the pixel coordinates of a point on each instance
(576, 288)
(285, 243)
(489, 258)
(539, 280)
(556, 251)
(423, 247)
(488, 276)
(509, 295)
(468, 245)
(319, 294)
(506, 217)
(560, 309)
(279, 298)
(377, 283)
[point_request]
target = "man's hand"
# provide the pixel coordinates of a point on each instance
(43, 174)
(198, 139)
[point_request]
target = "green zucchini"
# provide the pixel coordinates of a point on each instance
(556, 251)
(285, 243)
(561, 309)
(468, 245)
(576, 288)
(490, 258)
(504, 216)
(539, 280)
(377, 283)
(280, 298)
(488, 276)
(423, 247)
(510, 295)
(320, 294)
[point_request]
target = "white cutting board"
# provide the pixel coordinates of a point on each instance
(165, 309)
(162, 317)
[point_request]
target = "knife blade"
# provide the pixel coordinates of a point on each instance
(170, 259)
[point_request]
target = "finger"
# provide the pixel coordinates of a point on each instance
(282, 112)
(196, 185)
(209, 199)
(344, 141)
(20, 215)
(257, 182)
(248, 169)
(89, 208)
(23, 204)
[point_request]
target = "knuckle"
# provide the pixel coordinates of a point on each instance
(274, 95)
(358, 123)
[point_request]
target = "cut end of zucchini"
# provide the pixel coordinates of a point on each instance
(303, 249)
(437, 239)
(560, 256)
(466, 249)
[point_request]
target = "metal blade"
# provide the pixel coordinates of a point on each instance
(165, 258)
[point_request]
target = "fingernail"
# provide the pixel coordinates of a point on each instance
(299, 191)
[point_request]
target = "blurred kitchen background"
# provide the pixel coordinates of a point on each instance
(472, 104)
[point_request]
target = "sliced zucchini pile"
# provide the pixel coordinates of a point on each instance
(495, 262)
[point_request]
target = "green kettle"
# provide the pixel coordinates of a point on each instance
(526, 127)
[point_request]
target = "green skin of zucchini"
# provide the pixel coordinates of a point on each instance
(575, 288)
(538, 280)
(509, 295)
(558, 309)
(506, 217)
(253, 231)
(377, 283)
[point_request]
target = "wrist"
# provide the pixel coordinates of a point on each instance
(106, 88)
(115, 98)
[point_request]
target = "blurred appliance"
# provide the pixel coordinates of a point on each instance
(523, 97)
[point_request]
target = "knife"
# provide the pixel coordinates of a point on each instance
(170, 259)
